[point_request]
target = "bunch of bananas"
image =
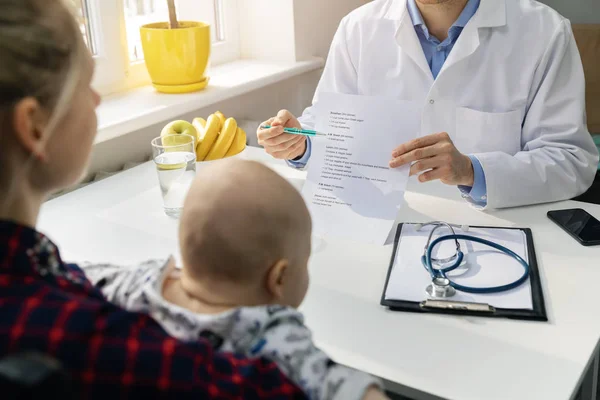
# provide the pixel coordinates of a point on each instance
(217, 137)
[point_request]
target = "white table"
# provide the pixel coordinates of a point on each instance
(425, 356)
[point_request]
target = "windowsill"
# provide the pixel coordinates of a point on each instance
(126, 112)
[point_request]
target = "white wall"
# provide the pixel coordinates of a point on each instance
(314, 23)
(267, 29)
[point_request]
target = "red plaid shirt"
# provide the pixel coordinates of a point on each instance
(49, 306)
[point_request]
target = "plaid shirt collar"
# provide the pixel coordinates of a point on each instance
(25, 251)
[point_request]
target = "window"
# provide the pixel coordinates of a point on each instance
(142, 12)
(111, 30)
(84, 24)
(137, 14)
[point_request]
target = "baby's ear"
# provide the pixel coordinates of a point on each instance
(276, 279)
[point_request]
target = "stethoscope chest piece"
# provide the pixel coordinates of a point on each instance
(440, 288)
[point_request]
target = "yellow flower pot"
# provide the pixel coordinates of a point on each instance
(177, 59)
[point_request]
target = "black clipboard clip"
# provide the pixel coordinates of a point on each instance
(457, 306)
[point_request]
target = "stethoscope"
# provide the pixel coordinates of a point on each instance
(441, 286)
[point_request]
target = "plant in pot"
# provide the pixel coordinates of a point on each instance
(176, 53)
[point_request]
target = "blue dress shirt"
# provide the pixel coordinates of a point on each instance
(436, 53)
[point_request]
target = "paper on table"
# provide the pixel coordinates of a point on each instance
(483, 267)
(350, 190)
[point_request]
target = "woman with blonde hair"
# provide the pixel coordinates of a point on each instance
(47, 128)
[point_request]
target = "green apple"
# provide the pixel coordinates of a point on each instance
(180, 127)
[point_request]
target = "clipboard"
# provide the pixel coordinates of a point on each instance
(447, 306)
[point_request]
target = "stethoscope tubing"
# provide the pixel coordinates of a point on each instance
(441, 273)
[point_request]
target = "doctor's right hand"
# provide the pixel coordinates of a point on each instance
(278, 144)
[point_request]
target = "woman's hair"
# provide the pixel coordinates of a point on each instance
(40, 57)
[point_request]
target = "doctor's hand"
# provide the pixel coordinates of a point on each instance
(278, 144)
(435, 157)
(374, 393)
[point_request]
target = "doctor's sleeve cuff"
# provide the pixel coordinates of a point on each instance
(477, 195)
(302, 161)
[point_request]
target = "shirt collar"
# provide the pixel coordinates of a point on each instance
(24, 250)
(464, 17)
(414, 13)
(467, 13)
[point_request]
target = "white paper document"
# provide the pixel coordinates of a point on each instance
(350, 190)
(483, 266)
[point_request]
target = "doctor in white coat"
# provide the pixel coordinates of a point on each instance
(501, 85)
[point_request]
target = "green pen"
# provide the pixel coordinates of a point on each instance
(296, 131)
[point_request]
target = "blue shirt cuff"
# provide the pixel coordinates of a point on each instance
(301, 163)
(476, 194)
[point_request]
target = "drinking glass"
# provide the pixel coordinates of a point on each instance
(175, 160)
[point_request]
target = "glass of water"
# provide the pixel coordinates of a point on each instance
(175, 160)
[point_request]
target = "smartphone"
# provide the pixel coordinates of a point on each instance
(578, 223)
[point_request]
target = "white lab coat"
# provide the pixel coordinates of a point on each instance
(511, 92)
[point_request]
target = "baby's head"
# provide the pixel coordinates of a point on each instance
(245, 233)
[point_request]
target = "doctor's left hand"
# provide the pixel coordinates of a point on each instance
(435, 157)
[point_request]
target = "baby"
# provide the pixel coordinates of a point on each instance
(245, 236)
